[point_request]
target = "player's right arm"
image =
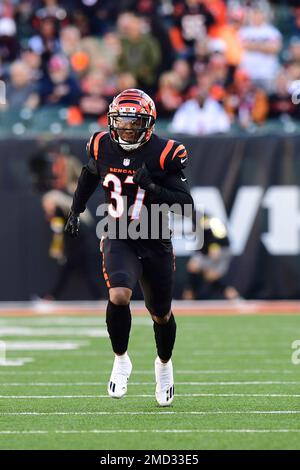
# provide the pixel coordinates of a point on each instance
(87, 183)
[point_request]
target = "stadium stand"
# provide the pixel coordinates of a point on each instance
(62, 62)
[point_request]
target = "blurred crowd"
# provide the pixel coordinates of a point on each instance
(208, 64)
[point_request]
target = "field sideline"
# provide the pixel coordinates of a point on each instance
(236, 384)
(180, 307)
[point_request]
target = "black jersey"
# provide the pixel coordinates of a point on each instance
(128, 205)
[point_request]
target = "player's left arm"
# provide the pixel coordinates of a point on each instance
(172, 188)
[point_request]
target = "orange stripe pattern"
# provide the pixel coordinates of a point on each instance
(182, 155)
(179, 150)
(96, 144)
(106, 278)
(164, 153)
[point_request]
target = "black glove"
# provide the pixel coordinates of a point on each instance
(72, 225)
(143, 179)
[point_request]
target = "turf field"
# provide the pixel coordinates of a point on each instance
(236, 386)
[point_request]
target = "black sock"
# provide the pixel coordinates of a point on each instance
(165, 338)
(118, 320)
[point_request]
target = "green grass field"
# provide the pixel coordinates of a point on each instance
(235, 384)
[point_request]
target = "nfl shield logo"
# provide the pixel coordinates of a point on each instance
(126, 161)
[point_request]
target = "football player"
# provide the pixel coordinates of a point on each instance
(140, 171)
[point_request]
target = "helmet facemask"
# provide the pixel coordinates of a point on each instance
(130, 130)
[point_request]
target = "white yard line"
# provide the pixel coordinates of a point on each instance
(150, 372)
(16, 362)
(43, 345)
(68, 321)
(244, 352)
(147, 431)
(96, 384)
(45, 397)
(58, 331)
(156, 413)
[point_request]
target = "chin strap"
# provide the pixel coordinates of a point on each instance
(129, 147)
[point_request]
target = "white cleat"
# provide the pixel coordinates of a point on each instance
(117, 385)
(164, 392)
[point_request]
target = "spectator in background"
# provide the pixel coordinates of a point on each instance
(218, 65)
(59, 87)
(280, 101)
(183, 71)
(292, 71)
(46, 42)
(201, 114)
(286, 83)
(201, 58)
(21, 89)
(33, 61)
(51, 9)
(218, 8)
(97, 93)
(81, 21)
(169, 96)
(140, 52)
(153, 14)
(211, 56)
(8, 41)
(229, 33)
(72, 47)
(89, 53)
(95, 98)
(101, 15)
(159, 31)
(262, 43)
(209, 265)
(191, 19)
(295, 18)
(125, 81)
(6, 9)
(109, 47)
(23, 16)
(147, 9)
(69, 38)
(293, 53)
(244, 102)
